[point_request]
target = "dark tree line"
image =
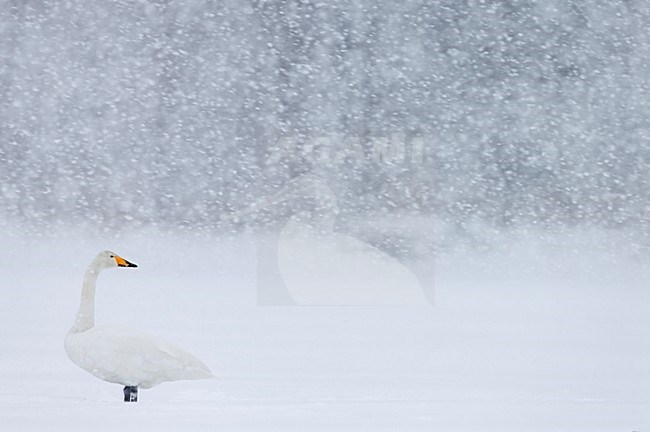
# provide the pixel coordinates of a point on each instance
(172, 112)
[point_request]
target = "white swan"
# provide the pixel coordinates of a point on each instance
(124, 355)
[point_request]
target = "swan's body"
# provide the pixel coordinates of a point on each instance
(123, 355)
(130, 357)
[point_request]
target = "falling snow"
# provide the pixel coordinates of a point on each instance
(497, 149)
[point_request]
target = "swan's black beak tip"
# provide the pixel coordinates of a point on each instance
(130, 264)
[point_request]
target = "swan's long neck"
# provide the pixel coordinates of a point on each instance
(86, 315)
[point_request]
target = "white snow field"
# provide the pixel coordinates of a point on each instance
(536, 336)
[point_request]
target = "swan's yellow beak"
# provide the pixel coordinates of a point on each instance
(121, 262)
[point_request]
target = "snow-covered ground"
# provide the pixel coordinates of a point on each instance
(533, 336)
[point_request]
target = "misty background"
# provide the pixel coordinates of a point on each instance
(124, 114)
(160, 129)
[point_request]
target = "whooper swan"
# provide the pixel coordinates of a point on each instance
(123, 355)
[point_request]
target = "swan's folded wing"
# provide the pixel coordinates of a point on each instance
(169, 363)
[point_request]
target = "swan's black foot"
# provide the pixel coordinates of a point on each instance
(131, 394)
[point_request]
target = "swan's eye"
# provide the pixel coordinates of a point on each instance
(112, 256)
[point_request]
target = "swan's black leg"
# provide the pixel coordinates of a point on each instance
(131, 394)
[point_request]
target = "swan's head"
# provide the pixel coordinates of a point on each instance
(107, 259)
